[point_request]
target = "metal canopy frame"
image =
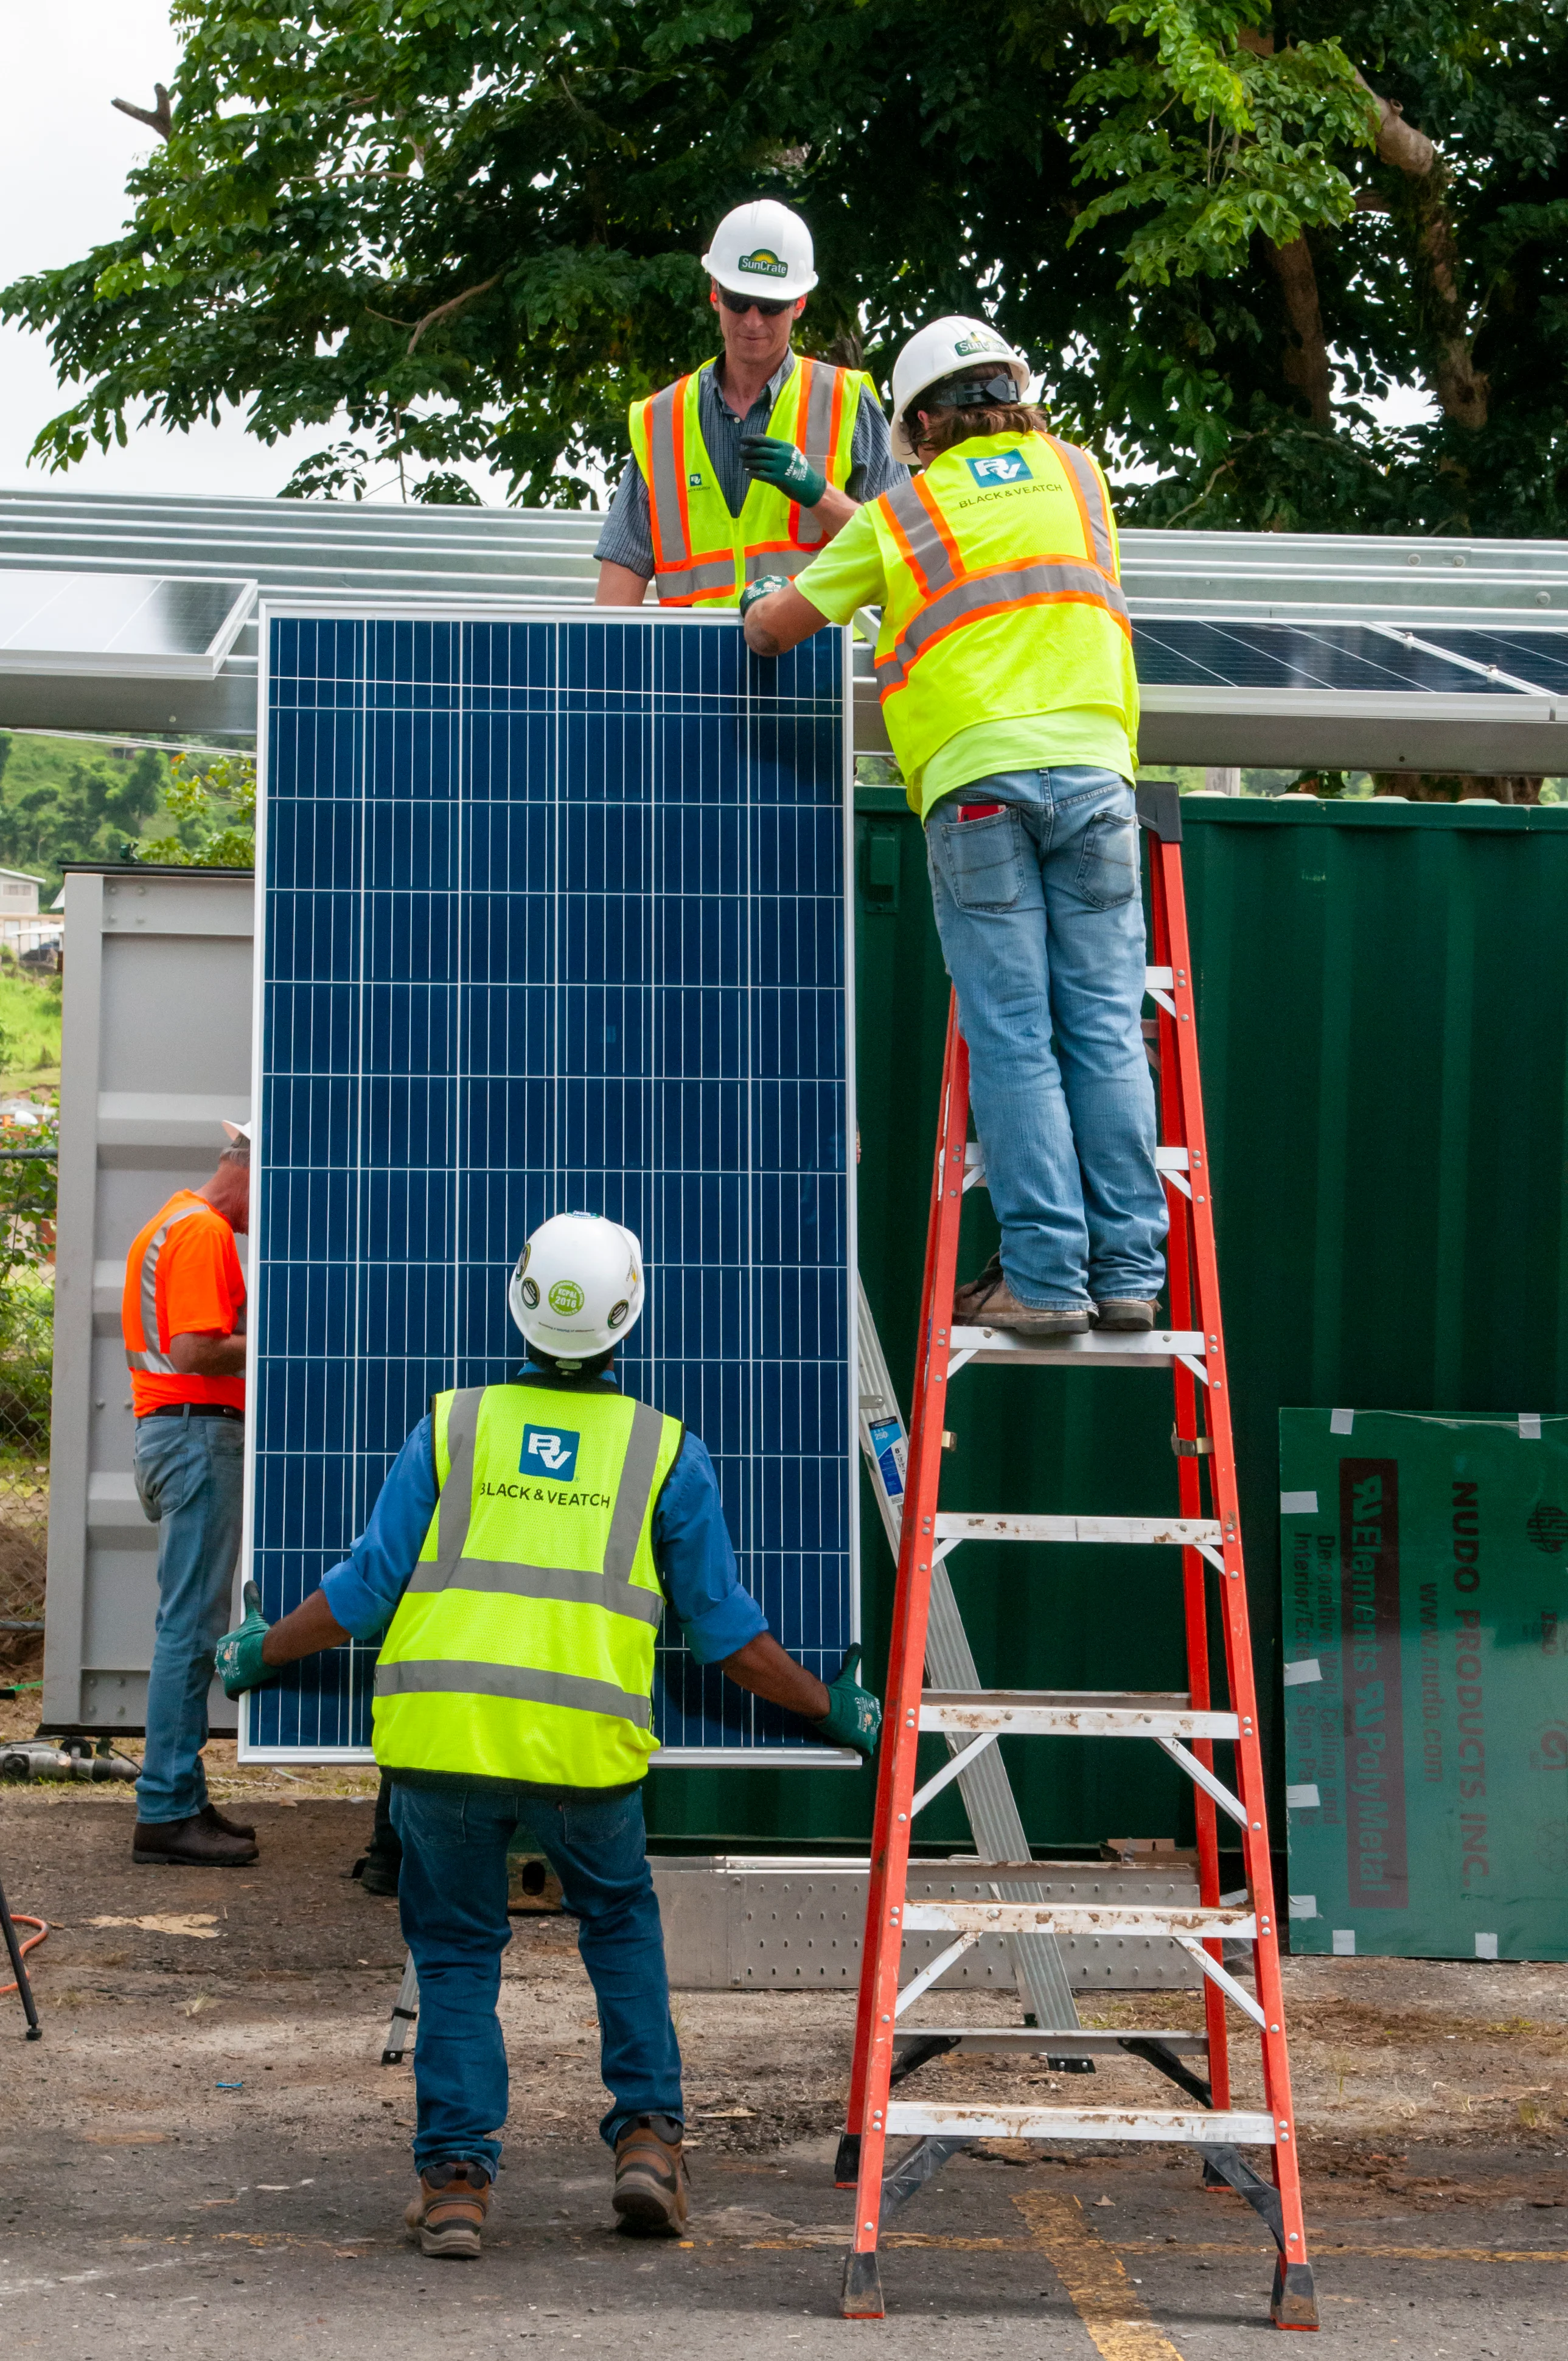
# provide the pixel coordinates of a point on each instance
(1259, 587)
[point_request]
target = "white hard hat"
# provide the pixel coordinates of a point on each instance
(578, 1288)
(237, 1130)
(763, 249)
(950, 347)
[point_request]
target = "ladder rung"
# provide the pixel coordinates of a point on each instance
(1177, 1533)
(1138, 1348)
(1196, 2129)
(1076, 1919)
(1167, 1160)
(1029, 2037)
(1091, 1713)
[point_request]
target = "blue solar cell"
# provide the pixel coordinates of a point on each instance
(554, 915)
(1538, 657)
(1330, 657)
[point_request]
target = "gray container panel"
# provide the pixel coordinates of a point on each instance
(156, 1053)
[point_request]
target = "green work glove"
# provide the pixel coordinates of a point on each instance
(763, 588)
(775, 462)
(853, 1716)
(239, 1651)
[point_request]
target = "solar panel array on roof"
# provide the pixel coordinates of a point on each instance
(554, 916)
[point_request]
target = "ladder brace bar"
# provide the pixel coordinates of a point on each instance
(1205, 1778)
(952, 1769)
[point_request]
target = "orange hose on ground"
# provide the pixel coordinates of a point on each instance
(26, 1918)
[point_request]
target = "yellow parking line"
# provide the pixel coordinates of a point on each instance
(1102, 2295)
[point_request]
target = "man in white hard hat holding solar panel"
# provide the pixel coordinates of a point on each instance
(752, 463)
(519, 1560)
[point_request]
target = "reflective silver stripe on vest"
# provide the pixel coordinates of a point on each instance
(928, 548)
(663, 433)
(499, 1577)
(814, 436)
(980, 591)
(610, 1588)
(1088, 483)
(453, 1677)
(690, 581)
(153, 1363)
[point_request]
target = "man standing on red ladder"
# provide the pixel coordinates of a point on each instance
(1004, 666)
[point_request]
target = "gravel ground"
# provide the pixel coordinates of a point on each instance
(145, 2207)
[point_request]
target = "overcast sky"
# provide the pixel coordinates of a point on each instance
(63, 163)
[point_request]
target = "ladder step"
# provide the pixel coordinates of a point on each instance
(1082, 1713)
(1174, 1532)
(1030, 2038)
(1194, 2128)
(1075, 1919)
(1142, 1348)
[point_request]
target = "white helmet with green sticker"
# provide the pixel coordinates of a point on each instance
(578, 1288)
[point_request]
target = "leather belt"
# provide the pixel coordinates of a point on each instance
(195, 1410)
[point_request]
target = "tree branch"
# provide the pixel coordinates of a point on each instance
(444, 311)
(1305, 362)
(1461, 386)
(160, 118)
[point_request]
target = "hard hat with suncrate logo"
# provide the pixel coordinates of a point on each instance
(578, 1288)
(953, 347)
(763, 249)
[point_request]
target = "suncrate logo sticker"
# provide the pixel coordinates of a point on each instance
(550, 1451)
(978, 344)
(1000, 468)
(766, 264)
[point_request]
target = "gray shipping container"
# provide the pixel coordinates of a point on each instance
(156, 1054)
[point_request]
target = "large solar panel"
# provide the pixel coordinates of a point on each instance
(554, 916)
(1424, 659)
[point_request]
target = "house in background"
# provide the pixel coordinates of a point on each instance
(25, 930)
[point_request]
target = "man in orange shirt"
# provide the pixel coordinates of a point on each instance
(184, 1317)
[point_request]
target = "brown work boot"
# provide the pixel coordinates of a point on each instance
(448, 2215)
(652, 2182)
(1125, 1311)
(196, 1843)
(987, 1301)
(212, 1817)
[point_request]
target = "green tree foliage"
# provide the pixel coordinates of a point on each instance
(1220, 230)
(211, 802)
(57, 804)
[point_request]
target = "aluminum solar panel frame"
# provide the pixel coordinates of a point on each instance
(554, 915)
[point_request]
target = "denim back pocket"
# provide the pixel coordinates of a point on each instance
(981, 862)
(1108, 863)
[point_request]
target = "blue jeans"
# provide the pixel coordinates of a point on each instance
(1042, 928)
(189, 1474)
(452, 1895)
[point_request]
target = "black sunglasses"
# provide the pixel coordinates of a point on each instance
(733, 302)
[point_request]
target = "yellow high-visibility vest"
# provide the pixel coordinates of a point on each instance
(1003, 595)
(703, 556)
(522, 1647)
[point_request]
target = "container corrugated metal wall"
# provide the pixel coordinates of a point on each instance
(1383, 1012)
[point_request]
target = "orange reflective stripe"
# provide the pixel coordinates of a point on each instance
(1091, 501)
(928, 501)
(927, 551)
(1000, 590)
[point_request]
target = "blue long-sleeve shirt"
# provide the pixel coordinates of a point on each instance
(691, 1550)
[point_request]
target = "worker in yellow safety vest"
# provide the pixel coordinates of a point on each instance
(1004, 666)
(752, 463)
(518, 1560)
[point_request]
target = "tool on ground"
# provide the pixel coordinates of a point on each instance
(63, 1758)
(18, 1951)
(1185, 1724)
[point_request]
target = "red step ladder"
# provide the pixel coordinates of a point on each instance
(1185, 1724)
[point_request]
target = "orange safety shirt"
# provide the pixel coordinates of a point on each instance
(182, 1276)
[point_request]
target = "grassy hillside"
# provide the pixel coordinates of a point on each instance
(29, 1028)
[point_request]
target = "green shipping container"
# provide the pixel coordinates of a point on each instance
(1383, 1018)
(1425, 1601)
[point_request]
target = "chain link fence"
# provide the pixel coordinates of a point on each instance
(26, 1361)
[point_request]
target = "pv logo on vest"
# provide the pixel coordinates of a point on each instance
(1001, 467)
(550, 1451)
